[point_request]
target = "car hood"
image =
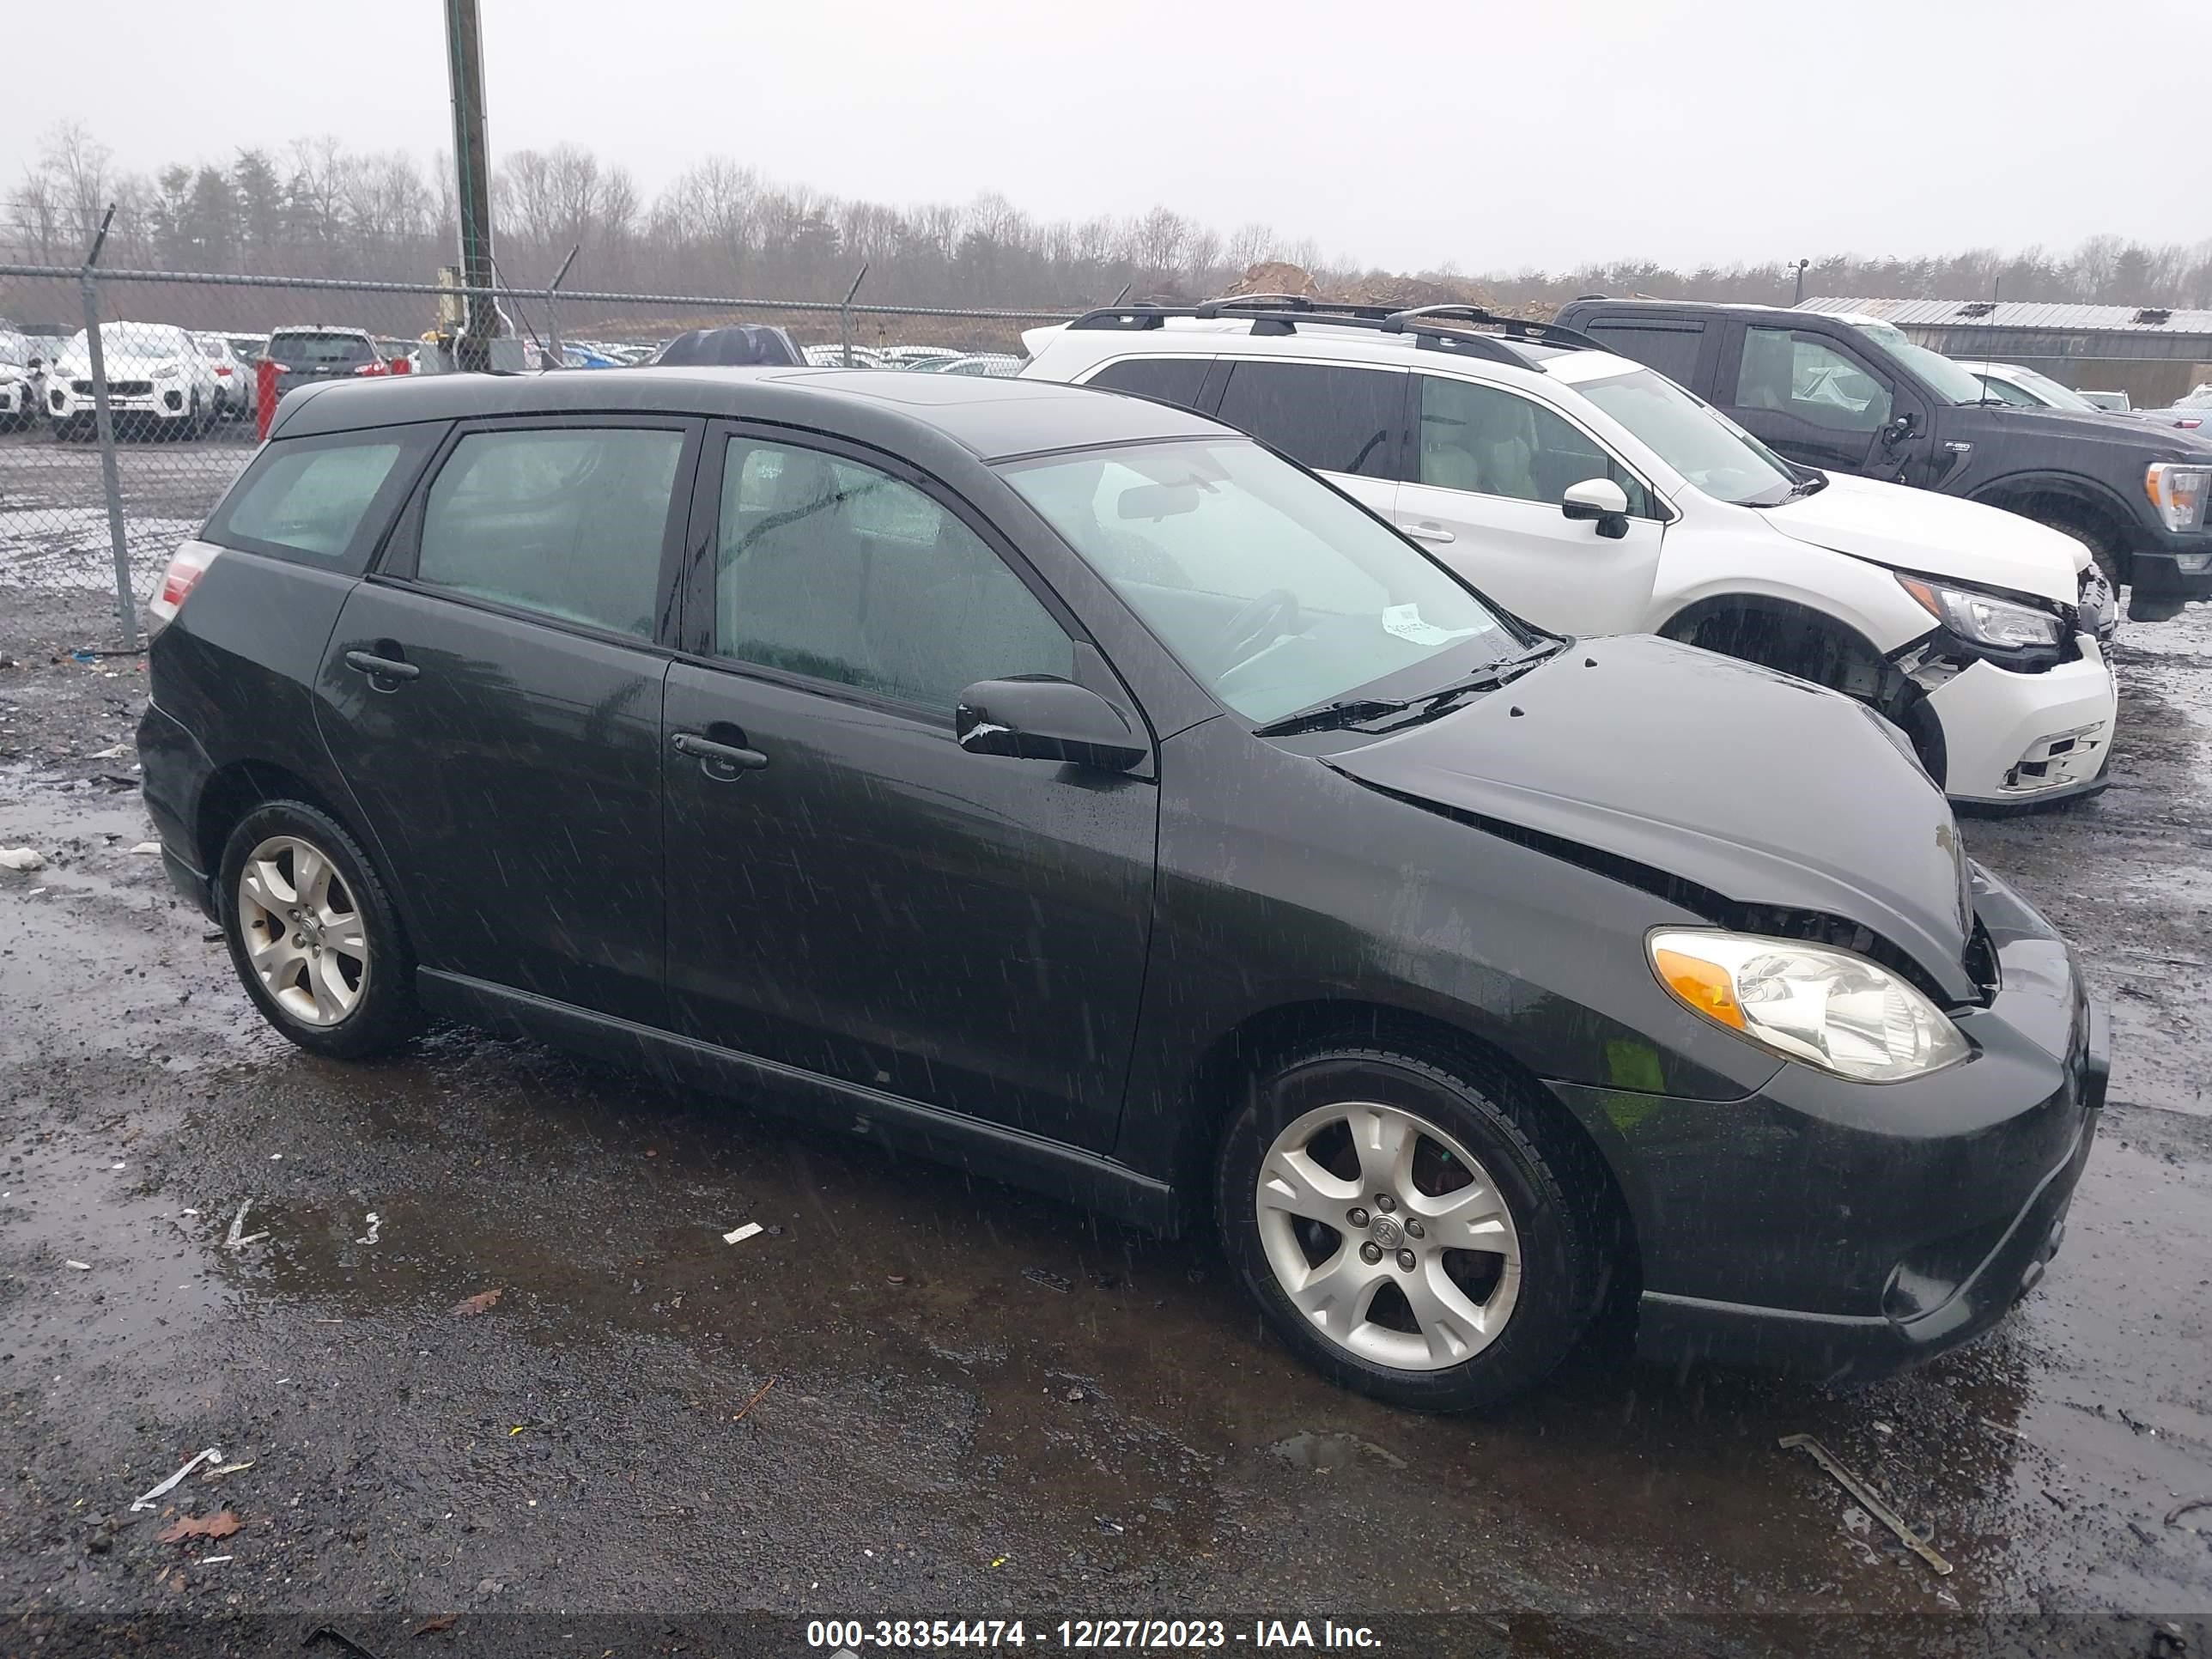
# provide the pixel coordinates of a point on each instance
(1908, 529)
(1763, 789)
(120, 365)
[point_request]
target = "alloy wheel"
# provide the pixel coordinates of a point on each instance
(304, 934)
(1388, 1236)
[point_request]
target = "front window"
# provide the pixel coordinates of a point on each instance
(1947, 379)
(1714, 453)
(1275, 592)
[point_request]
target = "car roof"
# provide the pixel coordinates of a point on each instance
(1316, 339)
(992, 419)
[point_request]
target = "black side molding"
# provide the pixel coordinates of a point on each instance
(1085, 1179)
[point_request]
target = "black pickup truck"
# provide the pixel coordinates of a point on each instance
(1853, 394)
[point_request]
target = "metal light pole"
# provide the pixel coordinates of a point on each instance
(1798, 298)
(472, 180)
(103, 415)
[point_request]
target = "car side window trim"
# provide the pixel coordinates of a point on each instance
(695, 595)
(1663, 511)
(396, 564)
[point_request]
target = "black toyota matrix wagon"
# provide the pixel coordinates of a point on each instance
(1063, 784)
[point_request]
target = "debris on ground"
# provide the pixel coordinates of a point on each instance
(738, 1236)
(147, 847)
(221, 1524)
(227, 1469)
(331, 1632)
(759, 1394)
(441, 1621)
(20, 857)
(2173, 1515)
(116, 751)
(481, 1302)
(372, 1221)
(145, 1499)
(239, 1236)
(81, 1267)
(1050, 1281)
(1867, 1497)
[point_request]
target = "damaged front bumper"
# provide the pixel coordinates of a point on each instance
(1849, 1230)
(2016, 740)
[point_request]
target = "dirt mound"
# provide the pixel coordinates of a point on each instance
(1377, 289)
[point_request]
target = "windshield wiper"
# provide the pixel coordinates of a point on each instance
(1351, 711)
(1344, 711)
(1493, 675)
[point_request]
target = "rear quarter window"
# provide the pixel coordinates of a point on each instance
(1166, 379)
(322, 501)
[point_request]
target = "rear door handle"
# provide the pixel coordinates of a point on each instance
(381, 668)
(1430, 532)
(717, 759)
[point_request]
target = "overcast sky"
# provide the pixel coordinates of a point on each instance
(1541, 132)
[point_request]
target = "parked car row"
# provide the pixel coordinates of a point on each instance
(1063, 782)
(170, 381)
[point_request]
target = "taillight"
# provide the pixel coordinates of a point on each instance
(186, 569)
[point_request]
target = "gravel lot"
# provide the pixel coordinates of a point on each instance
(919, 1394)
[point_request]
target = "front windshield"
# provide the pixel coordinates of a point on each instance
(1948, 380)
(1275, 592)
(1712, 451)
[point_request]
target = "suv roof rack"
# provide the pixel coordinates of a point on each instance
(1439, 328)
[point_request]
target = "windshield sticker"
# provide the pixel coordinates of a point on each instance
(1405, 621)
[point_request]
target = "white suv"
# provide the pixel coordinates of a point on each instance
(158, 380)
(1592, 496)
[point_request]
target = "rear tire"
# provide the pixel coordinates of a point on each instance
(313, 935)
(1342, 1151)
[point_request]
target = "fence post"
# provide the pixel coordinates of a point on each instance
(127, 604)
(845, 315)
(553, 322)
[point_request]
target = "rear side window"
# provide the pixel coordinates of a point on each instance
(1333, 420)
(321, 501)
(569, 522)
(1169, 379)
(1672, 349)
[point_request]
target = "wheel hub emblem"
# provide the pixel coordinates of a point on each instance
(1388, 1231)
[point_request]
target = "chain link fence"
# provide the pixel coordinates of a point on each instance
(115, 441)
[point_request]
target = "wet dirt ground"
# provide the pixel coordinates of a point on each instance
(917, 1393)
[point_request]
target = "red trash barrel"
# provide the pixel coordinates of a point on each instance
(265, 396)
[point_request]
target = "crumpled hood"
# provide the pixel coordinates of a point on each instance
(1762, 788)
(1908, 529)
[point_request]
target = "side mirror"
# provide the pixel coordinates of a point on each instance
(1601, 498)
(1040, 717)
(1896, 431)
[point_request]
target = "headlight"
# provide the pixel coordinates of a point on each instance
(1985, 619)
(2179, 492)
(1826, 1007)
(168, 371)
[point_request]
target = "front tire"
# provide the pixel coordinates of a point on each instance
(1433, 1237)
(313, 935)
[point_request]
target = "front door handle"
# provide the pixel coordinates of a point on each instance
(381, 668)
(1430, 532)
(721, 761)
